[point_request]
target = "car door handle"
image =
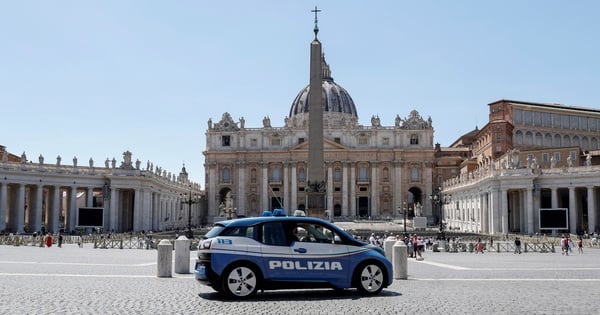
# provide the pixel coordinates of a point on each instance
(300, 250)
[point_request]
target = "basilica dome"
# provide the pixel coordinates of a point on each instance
(336, 98)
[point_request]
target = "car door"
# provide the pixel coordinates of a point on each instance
(319, 256)
(276, 251)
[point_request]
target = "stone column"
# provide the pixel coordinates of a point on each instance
(3, 203)
(353, 211)
(329, 205)
(54, 213)
(529, 209)
(294, 184)
(345, 204)
(494, 203)
(18, 210)
(72, 211)
(374, 211)
(286, 188)
(35, 221)
(113, 217)
(241, 185)
(264, 193)
(504, 207)
(592, 211)
(572, 211)
(90, 197)
(554, 197)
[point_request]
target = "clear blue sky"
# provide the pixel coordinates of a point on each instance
(97, 78)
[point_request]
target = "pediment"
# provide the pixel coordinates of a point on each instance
(327, 145)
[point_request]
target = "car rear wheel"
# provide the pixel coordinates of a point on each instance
(240, 281)
(370, 278)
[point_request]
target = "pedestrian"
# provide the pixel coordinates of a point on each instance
(80, 241)
(420, 248)
(565, 245)
(479, 246)
(517, 245)
(580, 245)
(60, 240)
(48, 240)
(372, 239)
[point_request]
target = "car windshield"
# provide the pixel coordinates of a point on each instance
(215, 231)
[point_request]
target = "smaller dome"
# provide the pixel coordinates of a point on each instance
(337, 99)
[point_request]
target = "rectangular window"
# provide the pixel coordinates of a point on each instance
(253, 142)
(557, 156)
(386, 141)
(275, 141)
(337, 140)
(545, 157)
(498, 136)
(573, 155)
(362, 174)
(362, 140)
(226, 141)
(415, 176)
(517, 116)
(414, 139)
(583, 123)
(300, 140)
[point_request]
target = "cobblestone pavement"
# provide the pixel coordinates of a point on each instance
(72, 280)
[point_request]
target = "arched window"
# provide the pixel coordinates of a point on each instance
(557, 141)
(519, 137)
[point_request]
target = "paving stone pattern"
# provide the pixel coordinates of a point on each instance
(72, 280)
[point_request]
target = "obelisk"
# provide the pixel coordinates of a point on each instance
(316, 163)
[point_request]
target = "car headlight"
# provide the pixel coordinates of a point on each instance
(204, 244)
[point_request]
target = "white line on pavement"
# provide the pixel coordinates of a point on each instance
(186, 276)
(443, 265)
(506, 279)
(75, 264)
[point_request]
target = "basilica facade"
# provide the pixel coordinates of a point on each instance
(375, 171)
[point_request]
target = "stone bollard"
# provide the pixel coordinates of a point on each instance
(182, 255)
(388, 246)
(165, 259)
(400, 261)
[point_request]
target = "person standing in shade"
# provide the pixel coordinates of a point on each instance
(517, 245)
(60, 240)
(580, 245)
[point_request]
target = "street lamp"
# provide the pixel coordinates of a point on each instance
(439, 200)
(191, 199)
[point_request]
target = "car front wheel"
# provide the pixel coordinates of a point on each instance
(370, 278)
(240, 281)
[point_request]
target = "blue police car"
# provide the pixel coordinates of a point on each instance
(241, 256)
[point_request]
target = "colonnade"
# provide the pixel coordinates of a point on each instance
(509, 201)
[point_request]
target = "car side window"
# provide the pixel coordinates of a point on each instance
(242, 231)
(317, 233)
(273, 234)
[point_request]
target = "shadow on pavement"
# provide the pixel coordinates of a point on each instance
(302, 295)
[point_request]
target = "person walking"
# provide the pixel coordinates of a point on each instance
(565, 245)
(580, 245)
(517, 245)
(479, 246)
(60, 240)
